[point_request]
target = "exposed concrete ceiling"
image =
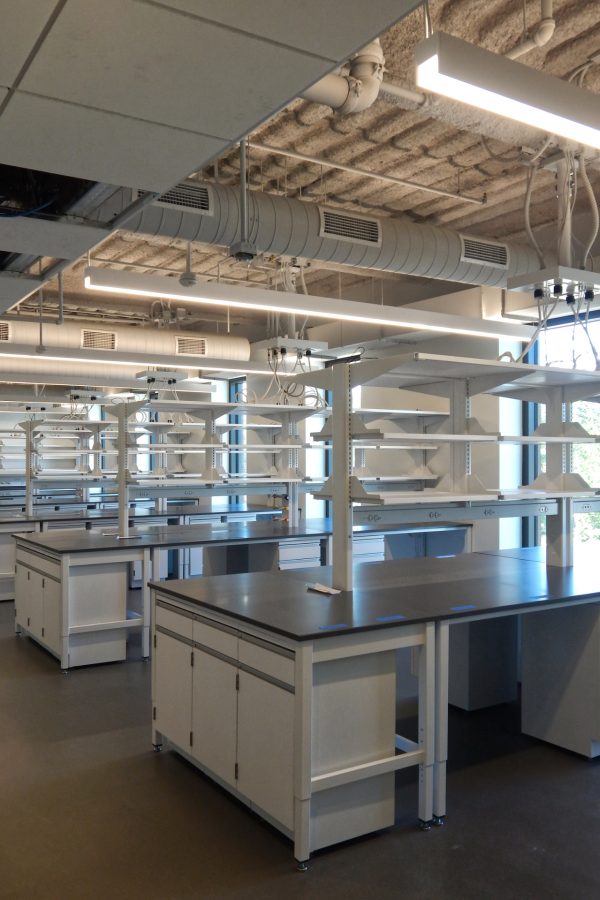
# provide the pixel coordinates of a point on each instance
(415, 144)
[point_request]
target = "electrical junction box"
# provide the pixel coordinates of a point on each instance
(563, 284)
(85, 396)
(163, 379)
(292, 346)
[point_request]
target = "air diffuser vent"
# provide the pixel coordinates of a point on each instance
(484, 252)
(4, 331)
(344, 227)
(191, 197)
(98, 340)
(191, 346)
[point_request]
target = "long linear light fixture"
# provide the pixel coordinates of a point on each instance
(461, 71)
(131, 284)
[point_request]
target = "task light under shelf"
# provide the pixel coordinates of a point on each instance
(452, 67)
(132, 284)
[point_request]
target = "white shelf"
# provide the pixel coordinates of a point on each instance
(133, 621)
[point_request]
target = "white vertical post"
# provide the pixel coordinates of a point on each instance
(122, 471)
(29, 465)
(293, 504)
(559, 528)
(341, 476)
(459, 452)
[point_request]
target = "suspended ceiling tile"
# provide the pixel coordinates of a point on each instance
(99, 146)
(14, 288)
(22, 23)
(38, 237)
(166, 68)
(313, 26)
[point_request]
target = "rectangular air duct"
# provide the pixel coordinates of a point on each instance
(4, 331)
(344, 227)
(488, 253)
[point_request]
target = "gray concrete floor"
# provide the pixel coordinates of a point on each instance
(88, 811)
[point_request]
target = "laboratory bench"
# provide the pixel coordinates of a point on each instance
(73, 587)
(307, 681)
(46, 519)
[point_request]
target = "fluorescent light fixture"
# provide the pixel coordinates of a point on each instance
(461, 71)
(131, 284)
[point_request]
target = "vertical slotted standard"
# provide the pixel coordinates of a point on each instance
(341, 476)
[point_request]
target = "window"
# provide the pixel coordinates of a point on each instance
(568, 346)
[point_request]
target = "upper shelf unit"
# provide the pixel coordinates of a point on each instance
(458, 380)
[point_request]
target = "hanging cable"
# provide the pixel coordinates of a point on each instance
(594, 208)
(530, 182)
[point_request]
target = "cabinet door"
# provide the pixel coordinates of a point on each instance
(35, 613)
(214, 705)
(52, 607)
(173, 690)
(22, 595)
(266, 747)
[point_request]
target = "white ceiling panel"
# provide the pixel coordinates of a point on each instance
(58, 137)
(313, 25)
(63, 240)
(21, 25)
(14, 288)
(148, 63)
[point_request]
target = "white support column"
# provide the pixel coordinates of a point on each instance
(122, 412)
(293, 504)
(441, 721)
(341, 475)
(122, 472)
(559, 528)
(29, 464)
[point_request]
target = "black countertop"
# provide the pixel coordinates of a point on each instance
(387, 594)
(81, 541)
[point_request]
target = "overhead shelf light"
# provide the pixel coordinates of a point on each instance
(461, 71)
(132, 284)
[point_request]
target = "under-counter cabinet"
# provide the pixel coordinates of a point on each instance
(76, 605)
(38, 606)
(299, 726)
(228, 703)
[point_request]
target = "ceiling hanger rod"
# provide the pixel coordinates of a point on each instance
(364, 173)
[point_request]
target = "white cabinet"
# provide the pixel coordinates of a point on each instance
(173, 709)
(229, 704)
(214, 714)
(265, 747)
(38, 606)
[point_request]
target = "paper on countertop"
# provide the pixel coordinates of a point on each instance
(322, 588)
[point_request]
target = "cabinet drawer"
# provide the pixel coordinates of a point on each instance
(38, 562)
(218, 639)
(174, 621)
(292, 550)
(271, 663)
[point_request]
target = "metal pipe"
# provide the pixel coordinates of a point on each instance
(396, 92)
(61, 300)
(243, 193)
(364, 173)
(355, 91)
(40, 347)
(540, 35)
